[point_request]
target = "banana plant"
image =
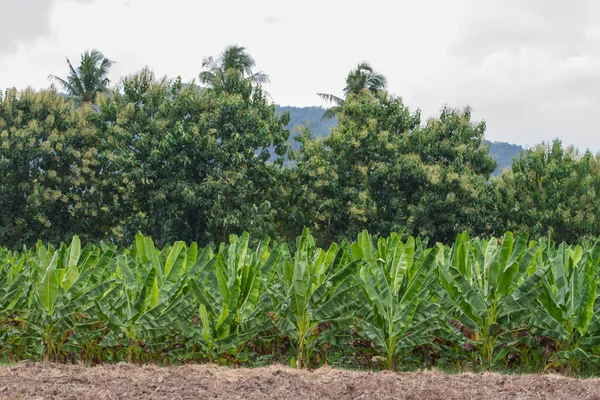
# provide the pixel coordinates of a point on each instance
(14, 282)
(568, 311)
(312, 296)
(489, 292)
(151, 298)
(231, 292)
(397, 315)
(15, 286)
(72, 279)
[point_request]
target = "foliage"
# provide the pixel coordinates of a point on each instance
(551, 189)
(50, 170)
(193, 173)
(155, 156)
(380, 170)
(232, 294)
(234, 61)
(488, 284)
(396, 284)
(185, 162)
(500, 303)
(567, 309)
(503, 153)
(89, 79)
(311, 296)
(362, 78)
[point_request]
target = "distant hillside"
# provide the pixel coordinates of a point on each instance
(504, 153)
(308, 115)
(501, 151)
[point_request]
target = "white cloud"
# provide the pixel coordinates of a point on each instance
(530, 68)
(25, 21)
(272, 19)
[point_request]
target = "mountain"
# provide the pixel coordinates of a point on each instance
(308, 115)
(503, 152)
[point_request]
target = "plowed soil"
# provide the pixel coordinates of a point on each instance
(122, 381)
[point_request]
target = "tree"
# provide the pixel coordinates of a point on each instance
(50, 171)
(198, 165)
(380, 170)
(551, 189)
(333, 191)
(450, 191)
(89, 79)
(234, 59)
(364, 77)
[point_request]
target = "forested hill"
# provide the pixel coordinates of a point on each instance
(503, 152)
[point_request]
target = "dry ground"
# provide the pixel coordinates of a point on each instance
(122, 381)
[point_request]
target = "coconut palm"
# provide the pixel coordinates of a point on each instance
(89, 79)
(364, 77)
(233, 58)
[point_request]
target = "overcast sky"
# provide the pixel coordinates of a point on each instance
(529, 68)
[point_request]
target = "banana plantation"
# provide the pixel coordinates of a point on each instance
(397, 303)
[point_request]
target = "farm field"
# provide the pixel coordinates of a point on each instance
(58, 381)
(507, 304)
(400, 204)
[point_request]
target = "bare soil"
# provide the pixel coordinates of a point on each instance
(123, 381)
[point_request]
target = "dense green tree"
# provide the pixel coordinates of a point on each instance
(183, 162)
(89, 79)
(50, 166)
(380, 170)
(197, 160)
(451, 190)
(551, 189)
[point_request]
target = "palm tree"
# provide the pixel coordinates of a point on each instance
(89, 79)
(364, 77)
(233, 58)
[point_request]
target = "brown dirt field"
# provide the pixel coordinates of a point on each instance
(122, 381)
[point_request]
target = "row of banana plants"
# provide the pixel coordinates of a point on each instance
(501, 303)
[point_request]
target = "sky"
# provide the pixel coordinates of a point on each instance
(529, 68)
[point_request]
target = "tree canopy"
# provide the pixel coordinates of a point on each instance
(179, 161)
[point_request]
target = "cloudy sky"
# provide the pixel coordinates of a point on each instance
(529, 68)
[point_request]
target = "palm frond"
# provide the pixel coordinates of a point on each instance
(259, 78)
(208, 63)
(66, 86)
(207, 78)
(329, 98)
(232, 58)
(89, 78)
(364, 66)
(74, 80)
(364, 77)
(331, 113)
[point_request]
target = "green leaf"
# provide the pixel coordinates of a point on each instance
(205, 323)
(145, 290)
(175, 266)
(48, 289)
(586, 307)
